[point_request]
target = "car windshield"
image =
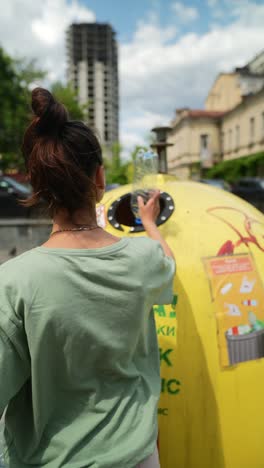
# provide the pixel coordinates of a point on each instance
(217, 183)
(261, 182)
(17, 185)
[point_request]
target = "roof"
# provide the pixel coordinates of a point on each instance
(195, 114)
(261, 53)
(198, 113)
(245, 100)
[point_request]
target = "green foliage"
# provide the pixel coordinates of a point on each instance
(248, 166)
(15, 79)
(136, 150)
(195, 169)
(116, 169)
(130, 164)
(67, 96)
(119, 171)
(28, 72)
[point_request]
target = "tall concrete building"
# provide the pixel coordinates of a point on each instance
(92, 68)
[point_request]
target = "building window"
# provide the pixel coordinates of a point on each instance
(252, 129)
(230, 140)
(204, 147)
(222, 142)
(237, 136)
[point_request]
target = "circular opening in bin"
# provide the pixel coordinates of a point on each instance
(120, 213)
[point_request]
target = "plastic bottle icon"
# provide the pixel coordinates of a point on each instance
(250, 302)
(254, 322)
(239, 330)
(145, 171)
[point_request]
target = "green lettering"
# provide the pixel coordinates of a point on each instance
(174, 301)
(163, 385)
(160, 310)
(172, 386)
(170, 331)
(164, 356)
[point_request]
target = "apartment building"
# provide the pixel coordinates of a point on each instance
(92, 68)
(242, 128)
(230, 126)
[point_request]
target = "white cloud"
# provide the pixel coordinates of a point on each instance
(55, 16)
(136, 126)
(37, 29)
(159, 68)
(213, 3)
(159, 75)
(185, 14)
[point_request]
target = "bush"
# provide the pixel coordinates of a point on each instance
(247, 166)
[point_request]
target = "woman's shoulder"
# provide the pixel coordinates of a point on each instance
(17, 266)
(143, 244)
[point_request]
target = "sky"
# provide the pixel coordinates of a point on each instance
(170, 52)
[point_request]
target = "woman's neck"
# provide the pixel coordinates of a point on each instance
(62, 219)
(78, 240)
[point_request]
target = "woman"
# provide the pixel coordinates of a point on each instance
(79, 363)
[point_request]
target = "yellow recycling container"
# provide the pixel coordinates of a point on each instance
(211, 338)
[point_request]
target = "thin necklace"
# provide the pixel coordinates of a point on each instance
(81, 228)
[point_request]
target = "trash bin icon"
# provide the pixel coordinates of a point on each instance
(247, 347)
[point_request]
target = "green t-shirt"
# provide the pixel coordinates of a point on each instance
(79, 363)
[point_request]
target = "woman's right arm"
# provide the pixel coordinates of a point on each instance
(148, 213)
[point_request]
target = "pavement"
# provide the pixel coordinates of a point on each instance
(4, 256)
(1, 446)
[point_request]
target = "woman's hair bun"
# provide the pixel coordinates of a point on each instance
(51, 116)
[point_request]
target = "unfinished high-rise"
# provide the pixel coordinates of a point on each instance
(92, 68)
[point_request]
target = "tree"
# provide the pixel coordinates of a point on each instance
(131, 161)
(118, 170)
(15, 78)
(67, 96)
(10, 98)
(28, 72)
(115, 168)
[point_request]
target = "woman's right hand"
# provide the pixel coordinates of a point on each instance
(149, 212)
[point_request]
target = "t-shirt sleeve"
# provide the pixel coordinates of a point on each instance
(162, 275)
(14, 355)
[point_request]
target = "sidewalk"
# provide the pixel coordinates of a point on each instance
(1, 446)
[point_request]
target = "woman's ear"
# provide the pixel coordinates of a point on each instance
(100, 183)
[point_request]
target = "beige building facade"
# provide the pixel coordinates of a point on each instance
(225, 93)
(242, 129)
(194, 137)
(230, 126)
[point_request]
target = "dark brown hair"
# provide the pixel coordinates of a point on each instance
(61, 156)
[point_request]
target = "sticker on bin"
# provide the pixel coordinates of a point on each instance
(226, 288)
(246, 285)
(233, 309)
(238, 297)
(240, 330)
(250, 302)
(100, 216)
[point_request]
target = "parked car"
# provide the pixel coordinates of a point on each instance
(218, 183)
(11, 192)
(250, 189)
(111, 187)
